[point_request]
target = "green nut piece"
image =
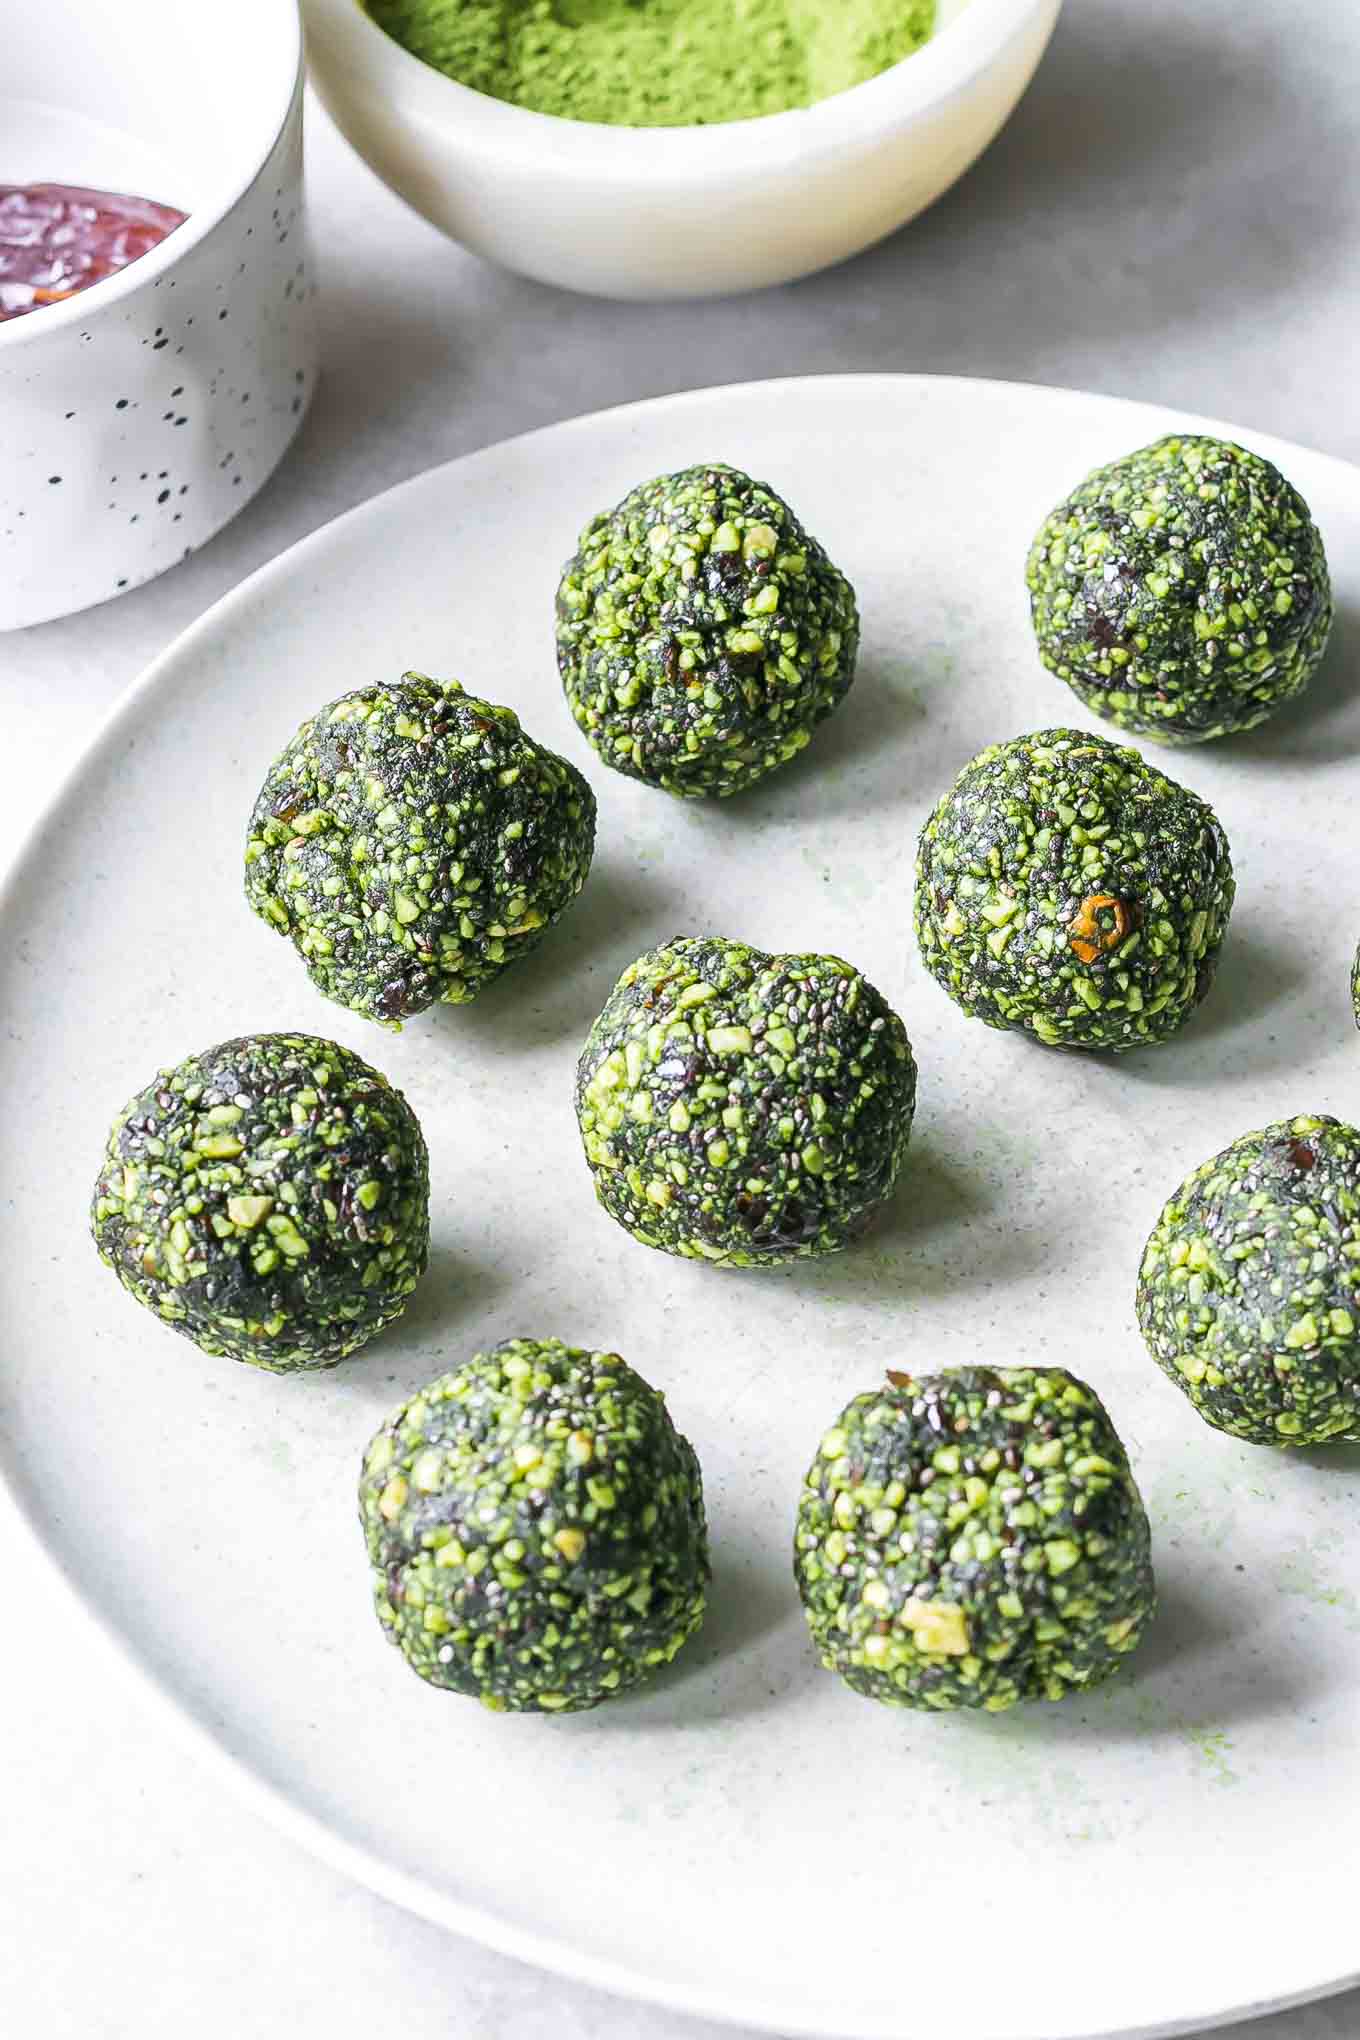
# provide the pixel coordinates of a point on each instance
(269, 1199)
(744, 1109)
(1249, 1291)
(1182, 592)
(974, 1539)
(412, 842)
(535, 1524)
(702, 634)
(1067, 888)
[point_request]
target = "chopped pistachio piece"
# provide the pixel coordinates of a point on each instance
(248, 1211)
(937, 1629)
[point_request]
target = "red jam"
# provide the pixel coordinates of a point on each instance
(56, 239)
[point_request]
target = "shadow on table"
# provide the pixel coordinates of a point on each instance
(558, 989)
(1257, 976)
(1190, 1682)
(722, 1674)
(860, 758)
(936, 1236)
(1319, 727)
(1151, 148)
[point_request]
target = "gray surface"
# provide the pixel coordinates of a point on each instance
(1172, 214)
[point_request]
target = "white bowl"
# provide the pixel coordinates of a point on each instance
(678, 212)
(137, 417)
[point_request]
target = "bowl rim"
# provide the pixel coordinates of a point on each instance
(284, 51)
(846, 121)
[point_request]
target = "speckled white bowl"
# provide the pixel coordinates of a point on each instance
(678, 212)
(137, 417)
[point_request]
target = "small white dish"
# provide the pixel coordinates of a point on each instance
(140, 415)
(678, 212)
(743, 1838)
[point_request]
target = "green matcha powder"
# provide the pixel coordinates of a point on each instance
(658, 63)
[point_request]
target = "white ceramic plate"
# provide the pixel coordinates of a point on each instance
(745, 1839)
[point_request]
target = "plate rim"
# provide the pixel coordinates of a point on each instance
(191, 1726)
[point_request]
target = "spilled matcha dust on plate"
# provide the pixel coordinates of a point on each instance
(658, 63)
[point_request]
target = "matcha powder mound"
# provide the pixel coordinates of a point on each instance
(658, 63)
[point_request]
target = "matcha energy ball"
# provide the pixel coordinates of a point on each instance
(1182, 591)
(411, 841)
(743, 1108)
(1249, 1291)
(535, 1524)
(1067, 888)
(701, 633)
(973, 1539)
(269, 1199)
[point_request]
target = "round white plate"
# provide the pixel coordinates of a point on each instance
(746, 1838)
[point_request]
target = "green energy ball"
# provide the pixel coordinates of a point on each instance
(412, 842)
(1067, 888)
(973, 1539)
(743, 1108)
(702, 634)
(1249, 1291)
(269, 1199)
(1182, 591)
(535, 1524)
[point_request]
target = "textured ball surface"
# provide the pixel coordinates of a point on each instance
(1067, 888)
(702, 634)
(1182, 592)
(974, 1539)
(743, 1108)
(1249, 1290)
(269, 1199)
(535, 1524)
(412, 842)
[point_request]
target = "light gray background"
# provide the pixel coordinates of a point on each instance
(1172, 214)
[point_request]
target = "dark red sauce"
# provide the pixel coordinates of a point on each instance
(56, 239)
